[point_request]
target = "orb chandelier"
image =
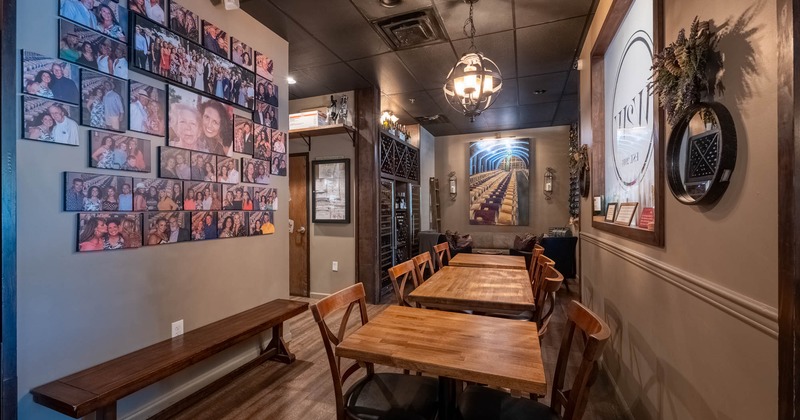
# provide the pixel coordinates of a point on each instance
(475, 81)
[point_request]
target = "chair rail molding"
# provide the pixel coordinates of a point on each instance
(750, 311)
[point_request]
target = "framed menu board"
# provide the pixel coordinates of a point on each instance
(331, 193)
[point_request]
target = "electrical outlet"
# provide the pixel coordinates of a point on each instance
(177, 328)
(335, 266)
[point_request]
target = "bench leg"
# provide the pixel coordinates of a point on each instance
(277, 345)
(108, 412)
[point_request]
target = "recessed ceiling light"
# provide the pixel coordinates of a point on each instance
(539, 91)
(291, 80)
(389, 3)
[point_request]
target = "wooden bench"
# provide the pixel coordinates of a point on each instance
(98, 388)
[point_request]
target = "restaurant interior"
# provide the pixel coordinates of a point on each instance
(400, 209)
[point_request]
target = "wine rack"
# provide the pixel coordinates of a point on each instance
(386, 231)
(416, 224)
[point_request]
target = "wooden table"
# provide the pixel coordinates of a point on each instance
(488, 261)
(478, 289)
(453, 346)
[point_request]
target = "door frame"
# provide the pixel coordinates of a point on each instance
(308, 214)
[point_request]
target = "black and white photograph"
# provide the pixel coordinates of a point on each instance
(261, 223)
(116, 151)
(231, 224)
(105, 16)
(216, 40)
(228, 170)
(174, 163)
(202, 196)
(279, 164)
(92, 50)
(183, 21)
(255, 171)
(262, 148)
(148, 109)
(204, 225)
(243, 136)
(237, 197)
(156, 194)
(266, 198)
(204, 167)
(155, 10)
(167, 227)
(266, 115)
(103, 100)
(199, 123)
(242, 54)
(96, 192)
(109, 231)
(50, 78)
(49, 121)
(264, 66)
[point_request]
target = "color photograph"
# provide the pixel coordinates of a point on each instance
(109, 231)
(174, 163)
(242, 135)
(50, 78)
(49, 121)
(215, 40)
(262, 148)
(202, 196)
(499, 182)
(154, 48)
(148, 109)
(225, 80)
(255, 171)
(231, 224)
(266, 198)
(264, 66)
(103, 100)
(155, 194)
(153, 9)
(92, 50)
(199, 123)
(279, 164)
(242, 54)
(162, 228)
(184, 22)
(115, 151)
(204, 225)
(204, 167)
(279, 139)
(266, 115)
(228, 170)
(104, 16)
(237, 197)
(94, 192)
(261, 223)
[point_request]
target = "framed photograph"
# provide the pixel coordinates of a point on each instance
(148, 109)
(156, 194)
(167, 227)
(279, 164)
(228, 170)
(116, 151)
(202, 196)
(204, 225)
(103, 101)
(266, 92)
(266, 115)
(109, 231)
(243, 135)
(231, 224)
(242, 54)
(264, 66)
(261, 223)
(611, 212)
(174, 163)
(94, 192)
(626, 213)
(266, 198)
(216, 40)
(92, 50)
(155, 10)
(184, 22)
(104, 16)
(255, 171)
(331, 193)
(262, 148)
(199, 123)
(237, 197)
(279, 141)
(154, 47)
(49, 121)
(204, 167)
(49, 78)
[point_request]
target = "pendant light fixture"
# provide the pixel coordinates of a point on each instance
(475, 81)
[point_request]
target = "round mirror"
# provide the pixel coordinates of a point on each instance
(701, 154)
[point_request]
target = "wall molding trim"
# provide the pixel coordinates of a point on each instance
(752, 312)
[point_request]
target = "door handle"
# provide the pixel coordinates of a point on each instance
(302, 229)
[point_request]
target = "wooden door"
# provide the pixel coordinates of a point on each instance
(298, 212)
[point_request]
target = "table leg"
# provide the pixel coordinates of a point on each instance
(282, 353)
(447, 398)
(108, 412)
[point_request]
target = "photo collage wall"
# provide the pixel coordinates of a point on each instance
(201, 191)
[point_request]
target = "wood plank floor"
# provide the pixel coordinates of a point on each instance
(304, 389)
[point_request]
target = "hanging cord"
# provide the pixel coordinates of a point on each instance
(469, 22)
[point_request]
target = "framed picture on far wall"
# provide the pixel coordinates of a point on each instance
(49, 121)
(242, 135)
(148, 109)
(215, 40)
(262, 148)
(92, 50)
(156, 194)
(279, 164)
(242, 54)
(261, 223)
(266, 198)
(231, 224)
(199, 123)
(255, 171)
(204, 167)
(174, 163)
(228, 170)
(264, 66)
(202, 196)
(49, 78)
(104, 102)
(105, 16)
(109, 231)
(237, 197)
(162, 228)
(266, 115)
(184, 22)
(155, 10)
(204, 225)
(279, 139)
(115, 151)
(96, 192)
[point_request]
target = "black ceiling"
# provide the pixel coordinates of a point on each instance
(333, 47)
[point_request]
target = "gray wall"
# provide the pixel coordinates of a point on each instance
(78, 310)
(694, 323)
(427, 169)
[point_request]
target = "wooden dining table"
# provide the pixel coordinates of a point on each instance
(453, 346)
(488, 261)
(476, 289)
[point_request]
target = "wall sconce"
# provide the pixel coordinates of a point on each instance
(453, 187)
(549, 177)
(388, 119)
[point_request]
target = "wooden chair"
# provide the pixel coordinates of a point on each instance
(477, 402)
(542, 264)
(441, 250)
(549, 285)
(424, 266)
(378, 395)
(538, 266)
(400, 275)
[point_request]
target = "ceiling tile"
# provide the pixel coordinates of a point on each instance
(430, 64)
(537, 113)
(489, 16)
(373, 10)
(498, 47)
(422, 106)
(500, 116)
(534, 12)
(552, 83)
(305, 51)
(568, 110)
(268, 15)
(548, 48)
(508, 96)
(387, 72)
(337, 77)
(573, 82)
(438, 130)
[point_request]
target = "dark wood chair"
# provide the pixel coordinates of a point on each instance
(400, 275)
(424, 264)
(378, 395)
(549, 285)
(480, 403)
(441, 251)
(538, 268)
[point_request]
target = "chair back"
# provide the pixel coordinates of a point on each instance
(349, 298)
(573, 401)
(401, 274)
(537, 276)
(442, 250)
(550, 284)
(424, 266)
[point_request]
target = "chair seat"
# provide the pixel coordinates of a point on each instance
(522, 316)
(389, 396)
(482, 403)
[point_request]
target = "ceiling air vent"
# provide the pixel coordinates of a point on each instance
(411, 30)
